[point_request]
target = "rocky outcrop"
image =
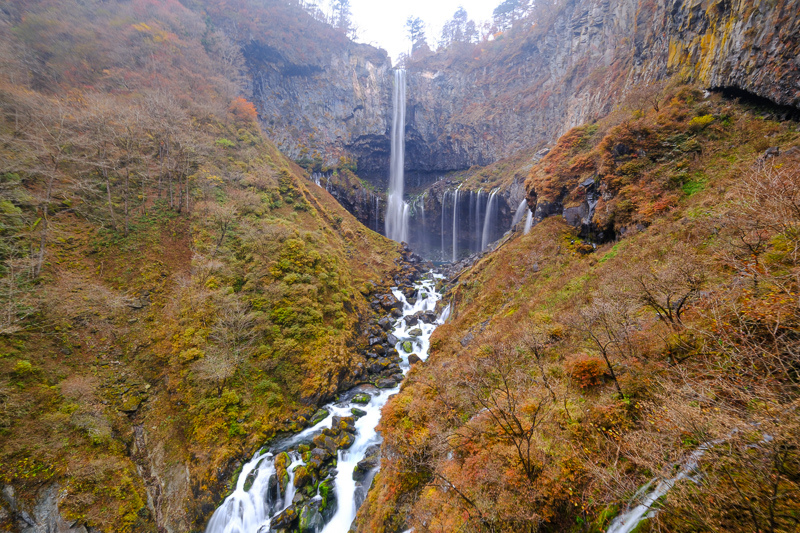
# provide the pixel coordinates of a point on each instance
(45, 516)
(321, 111)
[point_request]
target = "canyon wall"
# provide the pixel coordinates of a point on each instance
(475, 104)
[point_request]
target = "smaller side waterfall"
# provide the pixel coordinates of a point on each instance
(521, 209)
(528, 222)
(488, 223)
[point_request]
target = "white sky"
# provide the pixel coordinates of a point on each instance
(383, 22)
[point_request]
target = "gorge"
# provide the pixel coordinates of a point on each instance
(257, 277)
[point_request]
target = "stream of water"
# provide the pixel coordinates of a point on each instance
(257, 501)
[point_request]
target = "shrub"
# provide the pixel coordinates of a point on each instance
(588, 371)
(225, 143)
(700, 123)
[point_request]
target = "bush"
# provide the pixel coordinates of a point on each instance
(700, 123)
(588, 371)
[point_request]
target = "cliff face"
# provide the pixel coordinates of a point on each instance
(321, 111)
(476, 104)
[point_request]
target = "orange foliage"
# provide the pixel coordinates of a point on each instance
(243, 110)
(588, 371)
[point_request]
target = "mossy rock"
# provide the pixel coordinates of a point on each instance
(302, 477)
(416, 332)
(407, 347)
(358, 413)
(282, 462)
(345, 440)
(361, 398)
(318, 417)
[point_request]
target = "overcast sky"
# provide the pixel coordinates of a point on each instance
(383, 22)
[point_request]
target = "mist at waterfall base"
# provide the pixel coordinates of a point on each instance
(257, 500)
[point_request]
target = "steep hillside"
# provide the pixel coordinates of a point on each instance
(174, 292)
(571, 374)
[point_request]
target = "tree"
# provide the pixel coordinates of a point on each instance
(231, 339)
(455, 30)
(416, 33)
(342, 16)
(510, 11)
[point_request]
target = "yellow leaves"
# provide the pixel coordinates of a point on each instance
(142, 27)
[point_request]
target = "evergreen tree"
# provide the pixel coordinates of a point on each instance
(416, 32)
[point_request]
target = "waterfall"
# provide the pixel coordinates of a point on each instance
(478, 221)
(455, 225)
(396, 210)
(523, 206)
(528, 222)
(488, 225)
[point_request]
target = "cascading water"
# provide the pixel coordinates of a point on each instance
(489, 223)
(397, 209)
(528, 222)
(521, 209)
(256, 505)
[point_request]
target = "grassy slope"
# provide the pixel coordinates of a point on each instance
(515, 422)
(106, 381)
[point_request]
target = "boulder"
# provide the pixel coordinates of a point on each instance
(371, 459)
(302, 477)
(385, 323)
(397, 313)
(345, 440)
(318, 417)
(311, 519)
(412, 320)
(416, 332)
(361, 398)
(407, 347)
(391, 339)
(386, 383)
(413, 359)
(286, 520)
(357, 413)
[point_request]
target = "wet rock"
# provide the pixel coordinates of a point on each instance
(416, 332)
(282, 462)
(389, 302)
(318, 417)
(386, 383)
(361, 398)
(429, 317)
(397, 313)
(391, 339)
(326, 442)
(385, 323)
(413, 359)
(302, 477)
(371, 460)
(345, 440)
(412, 320)
(311, 519)
(407, 347)
(327, 491)
(286, 520)
(357, 413)
(344, 423)
(411, 301)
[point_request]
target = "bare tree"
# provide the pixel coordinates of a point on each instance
(231, 337)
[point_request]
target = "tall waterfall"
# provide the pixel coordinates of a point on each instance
(397, 210)
(528, 222)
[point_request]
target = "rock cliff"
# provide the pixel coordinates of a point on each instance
(474, 104)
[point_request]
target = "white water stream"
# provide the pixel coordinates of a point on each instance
(252, 510)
